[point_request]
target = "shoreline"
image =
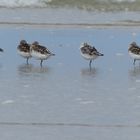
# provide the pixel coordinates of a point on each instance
(51, 17)
(68, 25)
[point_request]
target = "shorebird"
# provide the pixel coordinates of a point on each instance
(23, 49)
(134, 51)
(89, 52)
(40, 52)
(1, 50)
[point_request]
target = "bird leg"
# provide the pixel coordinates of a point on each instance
(41, 63)
(27, 60)
(90, 63)
(134, 61)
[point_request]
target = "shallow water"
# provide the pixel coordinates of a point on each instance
(65, 99)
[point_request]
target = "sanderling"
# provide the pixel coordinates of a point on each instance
(40, 52)
(89, 52)
(1, 50)
(23, 49)
(134, 51)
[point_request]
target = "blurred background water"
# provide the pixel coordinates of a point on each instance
(89, 12)
(103, 5)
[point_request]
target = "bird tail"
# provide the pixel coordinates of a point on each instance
(52, 54)
(100, 54)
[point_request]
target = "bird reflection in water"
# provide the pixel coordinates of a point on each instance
(135, 71)
(89, 71)
(29, 69)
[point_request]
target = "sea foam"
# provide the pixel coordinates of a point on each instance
(23, 3)
(43, 3)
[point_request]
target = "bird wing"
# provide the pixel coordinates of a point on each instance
(25, 48)
(136, 50)
(87, 49)
(43, 50)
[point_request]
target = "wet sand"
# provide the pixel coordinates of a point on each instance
(65, 99)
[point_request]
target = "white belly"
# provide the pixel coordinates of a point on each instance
(39, 56)
(89, 57)
(134, 56)
(24, 54)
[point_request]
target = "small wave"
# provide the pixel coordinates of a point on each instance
(96, 5)
(23, 3)
(100, 5)
(120, 1)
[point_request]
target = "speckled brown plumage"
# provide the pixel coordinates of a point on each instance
(24, 50)
(40, 52)
(23, 46)
(134, 51)
(90, 50)
(134, 48)
(87, 49)
(40, 49)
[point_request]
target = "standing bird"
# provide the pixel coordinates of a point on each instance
(1, 50)
(40, 52)
(23, 49)
(134, 51)
(89, 52)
